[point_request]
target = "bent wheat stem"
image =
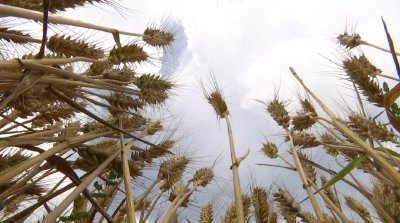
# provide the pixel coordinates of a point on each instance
(303, 177)
(127, 177)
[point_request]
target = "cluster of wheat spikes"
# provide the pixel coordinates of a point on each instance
(359, 139)
(49, 87)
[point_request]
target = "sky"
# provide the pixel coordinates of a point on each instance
(249, 46)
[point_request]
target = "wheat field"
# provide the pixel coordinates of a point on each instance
(88, 135)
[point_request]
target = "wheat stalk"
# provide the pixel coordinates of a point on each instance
(216, 99)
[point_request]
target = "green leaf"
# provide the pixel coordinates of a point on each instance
(98, 186)
(120, 173)
(385, 87)
(347, 169)
(102, 195)
(77, 201)
(113, 175)
(111, 182)
(393, 153)
(394, 107)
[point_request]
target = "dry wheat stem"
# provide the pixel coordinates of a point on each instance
(118, 82)
(35, 170)
(146, 193)
(295, 169)
(72, 75)
(33, 140)
(71, 197)
(24, 214)
(286, 161)
(152, 207)
(177, 203)
(379, 48)
(371, 141)
(62, 61)
(240, 159)
(285, 167)
(358, 149)
(116, 211)
(17, 124)
(6, 10)
(111, 192)
(389, 76)
(66, 169)
(381, 175)
(169, 212)
(14, 132)
(330, 203)
(396, 161)
(334, 216)
(102, 121)
(109, 203)
(12, 116)
(19, 168)
(94, 101)
(22, 189)
(57, 184)
(362, 190)
(333, 133)
(45, 132)
(326, 199)
(45, 79)
(127, 177)
(19, 37)
(381, 211)
(235, 170)
(322, 118)
(303, 177)
(385, 165)
(141, 135)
